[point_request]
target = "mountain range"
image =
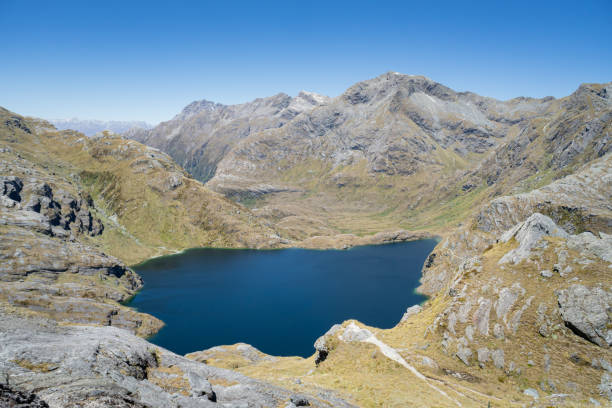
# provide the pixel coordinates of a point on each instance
(394, 151)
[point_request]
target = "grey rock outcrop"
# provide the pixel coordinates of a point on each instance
(498, 358)
(588, 244)
(11, 186)
(411, 311)
(481, 316)
(578, 202)
(464, 354)
(322, 346)
(605, 386)
(484, 355)
(12, 398)
(39, 209)
(529, 235)
(587, 312)
(106, 366)
(68, 281)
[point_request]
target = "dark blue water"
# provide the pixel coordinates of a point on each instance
(279, 301)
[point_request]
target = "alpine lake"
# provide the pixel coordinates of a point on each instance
(279, 301)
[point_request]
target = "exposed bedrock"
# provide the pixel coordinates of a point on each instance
(106, 366)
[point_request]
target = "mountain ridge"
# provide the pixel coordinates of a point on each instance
(205, 125)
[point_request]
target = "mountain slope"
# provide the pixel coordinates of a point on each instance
(405, 151)
(200, 136)
(147, 204)
(396, 151)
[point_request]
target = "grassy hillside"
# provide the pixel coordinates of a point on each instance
(148, 204)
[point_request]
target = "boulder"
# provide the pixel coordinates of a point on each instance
(586, 312)
(498, 358)
(481, 316)
(484, 355)
(546, 274)
(464, 354)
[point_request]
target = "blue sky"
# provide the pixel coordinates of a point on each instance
(130, 60)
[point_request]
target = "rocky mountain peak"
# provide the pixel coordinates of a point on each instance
(313, 98)
(597, 96)
(305, 101)
(196, 107)
(392, 82)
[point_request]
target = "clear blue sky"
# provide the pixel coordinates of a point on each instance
(129, 60)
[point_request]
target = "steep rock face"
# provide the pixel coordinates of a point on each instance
(63, 214)
(529, 235)
(576, 203)
(68, 282)
(576, 131)
(397, 123)
(200, 136)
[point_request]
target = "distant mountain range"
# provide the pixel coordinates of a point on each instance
(91, 126)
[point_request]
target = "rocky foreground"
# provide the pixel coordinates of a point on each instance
(86, 366)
